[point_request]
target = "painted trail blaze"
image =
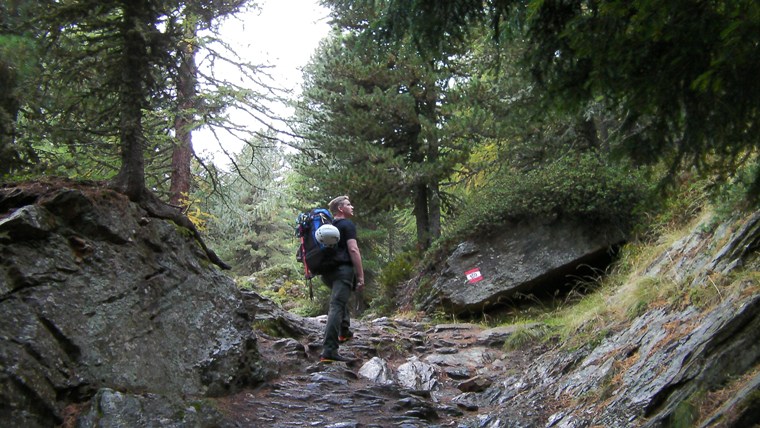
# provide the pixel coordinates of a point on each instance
(473, 276)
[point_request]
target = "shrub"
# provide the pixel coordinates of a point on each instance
(581, 185)
(393, 273)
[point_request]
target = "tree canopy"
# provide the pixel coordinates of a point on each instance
(678, 74)
(417, 109)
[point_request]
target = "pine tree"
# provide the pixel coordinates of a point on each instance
(372, 126)
(251, 221)
(680, 76)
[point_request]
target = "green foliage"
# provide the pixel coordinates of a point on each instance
(265, 278)
(251, 223)
(703, 56)
(749, 402)
(312, 308)
(700, 110)
(18, 62)
(372, 124)
(286, 286)
(580, 186)
(79, 81)
(686, 413)
(739, 190)
(678, 206)
(272, 327)
(398, 270)
(644, 293)
(424, 287)
(526, 335)
(395, 272)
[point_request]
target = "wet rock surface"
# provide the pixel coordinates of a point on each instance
(638, 376)
(97, 296)
(671, 364)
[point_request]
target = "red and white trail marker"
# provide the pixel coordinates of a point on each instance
(473, 276)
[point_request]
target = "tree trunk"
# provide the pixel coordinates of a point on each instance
(391, 241)
(434, 201)
(421, 216)
(434, 204)
(182, 154)
(9, 107)
(131, 177)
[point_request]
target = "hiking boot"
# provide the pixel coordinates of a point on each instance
(346, 338)
(333, 358)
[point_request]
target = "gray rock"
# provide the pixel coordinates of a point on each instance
(457, 373)
(289, 346)
(102, 299)
(498, 335)
(474, 384)
(27, 222)
(377, 370)
(471, 357)
(438, 328)
(416, 375)
(526, 257)
(643, 374)
(267, 313)
(115, 409)
(467, 401)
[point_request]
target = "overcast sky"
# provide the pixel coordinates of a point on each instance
(281, 33)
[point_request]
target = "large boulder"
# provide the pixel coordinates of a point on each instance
(521, 258)
(97, 294)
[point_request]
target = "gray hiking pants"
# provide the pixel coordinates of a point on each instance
(341, 282)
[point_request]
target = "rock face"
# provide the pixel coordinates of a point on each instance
(97, 296)
(524, 258)
(670, 366)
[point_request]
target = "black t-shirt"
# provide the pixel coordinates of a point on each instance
(347, 231)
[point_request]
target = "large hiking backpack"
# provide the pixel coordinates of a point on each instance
(317, 258)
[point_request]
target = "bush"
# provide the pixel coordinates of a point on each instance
(581, 185)
(393, 273)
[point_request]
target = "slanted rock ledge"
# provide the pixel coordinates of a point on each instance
(98, 296)
(525, 257)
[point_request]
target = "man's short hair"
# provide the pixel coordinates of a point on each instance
(336, 203)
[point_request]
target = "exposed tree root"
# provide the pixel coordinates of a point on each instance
(160, 209)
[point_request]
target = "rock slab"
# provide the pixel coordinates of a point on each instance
(523, 258)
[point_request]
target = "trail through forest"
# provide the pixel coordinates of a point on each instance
(309, 393)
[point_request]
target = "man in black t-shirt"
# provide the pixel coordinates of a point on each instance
(347, 276)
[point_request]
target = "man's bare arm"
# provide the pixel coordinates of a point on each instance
(356, 260)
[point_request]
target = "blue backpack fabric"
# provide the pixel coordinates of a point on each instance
(316, 258)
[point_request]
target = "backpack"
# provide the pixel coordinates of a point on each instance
(317, 259)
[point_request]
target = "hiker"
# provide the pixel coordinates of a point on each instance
(347, 276)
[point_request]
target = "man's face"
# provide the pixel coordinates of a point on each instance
(347, 209)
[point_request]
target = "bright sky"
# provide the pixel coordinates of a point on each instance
(281, 33)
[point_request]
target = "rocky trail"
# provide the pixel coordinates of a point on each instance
(406, 373)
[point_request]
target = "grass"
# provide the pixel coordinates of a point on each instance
(624, 294)
(527, 333)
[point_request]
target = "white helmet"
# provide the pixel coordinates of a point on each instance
(327, 234)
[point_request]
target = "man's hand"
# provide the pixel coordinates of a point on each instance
(359, 284)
